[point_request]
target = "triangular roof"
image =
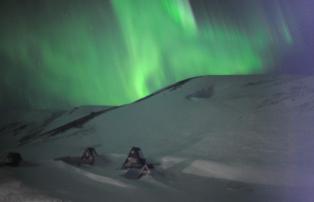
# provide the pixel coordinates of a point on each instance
(137, 154)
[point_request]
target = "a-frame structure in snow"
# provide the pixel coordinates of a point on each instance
(136, 164)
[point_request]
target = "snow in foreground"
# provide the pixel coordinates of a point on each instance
(13, 190)
(212, 139)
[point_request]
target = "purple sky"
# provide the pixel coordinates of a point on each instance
(300, 58)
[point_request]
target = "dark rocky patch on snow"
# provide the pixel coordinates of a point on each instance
(77, 123)
(33, 134)
(201, 94)
(172, 87)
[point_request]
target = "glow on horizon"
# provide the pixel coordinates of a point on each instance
(92, 57)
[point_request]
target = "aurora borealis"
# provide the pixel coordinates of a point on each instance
(100, 52)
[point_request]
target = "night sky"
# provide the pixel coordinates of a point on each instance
(57, 53)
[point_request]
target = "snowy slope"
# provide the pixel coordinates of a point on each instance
(213, 138)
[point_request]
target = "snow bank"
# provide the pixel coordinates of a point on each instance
(12, 190)
(92, 176)
(256, 175)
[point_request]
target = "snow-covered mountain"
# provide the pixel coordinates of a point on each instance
(220, 139)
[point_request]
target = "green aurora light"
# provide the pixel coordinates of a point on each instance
(111, 58)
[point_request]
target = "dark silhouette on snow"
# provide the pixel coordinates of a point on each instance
(89, 156)
(136, 164)
(12, 159)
